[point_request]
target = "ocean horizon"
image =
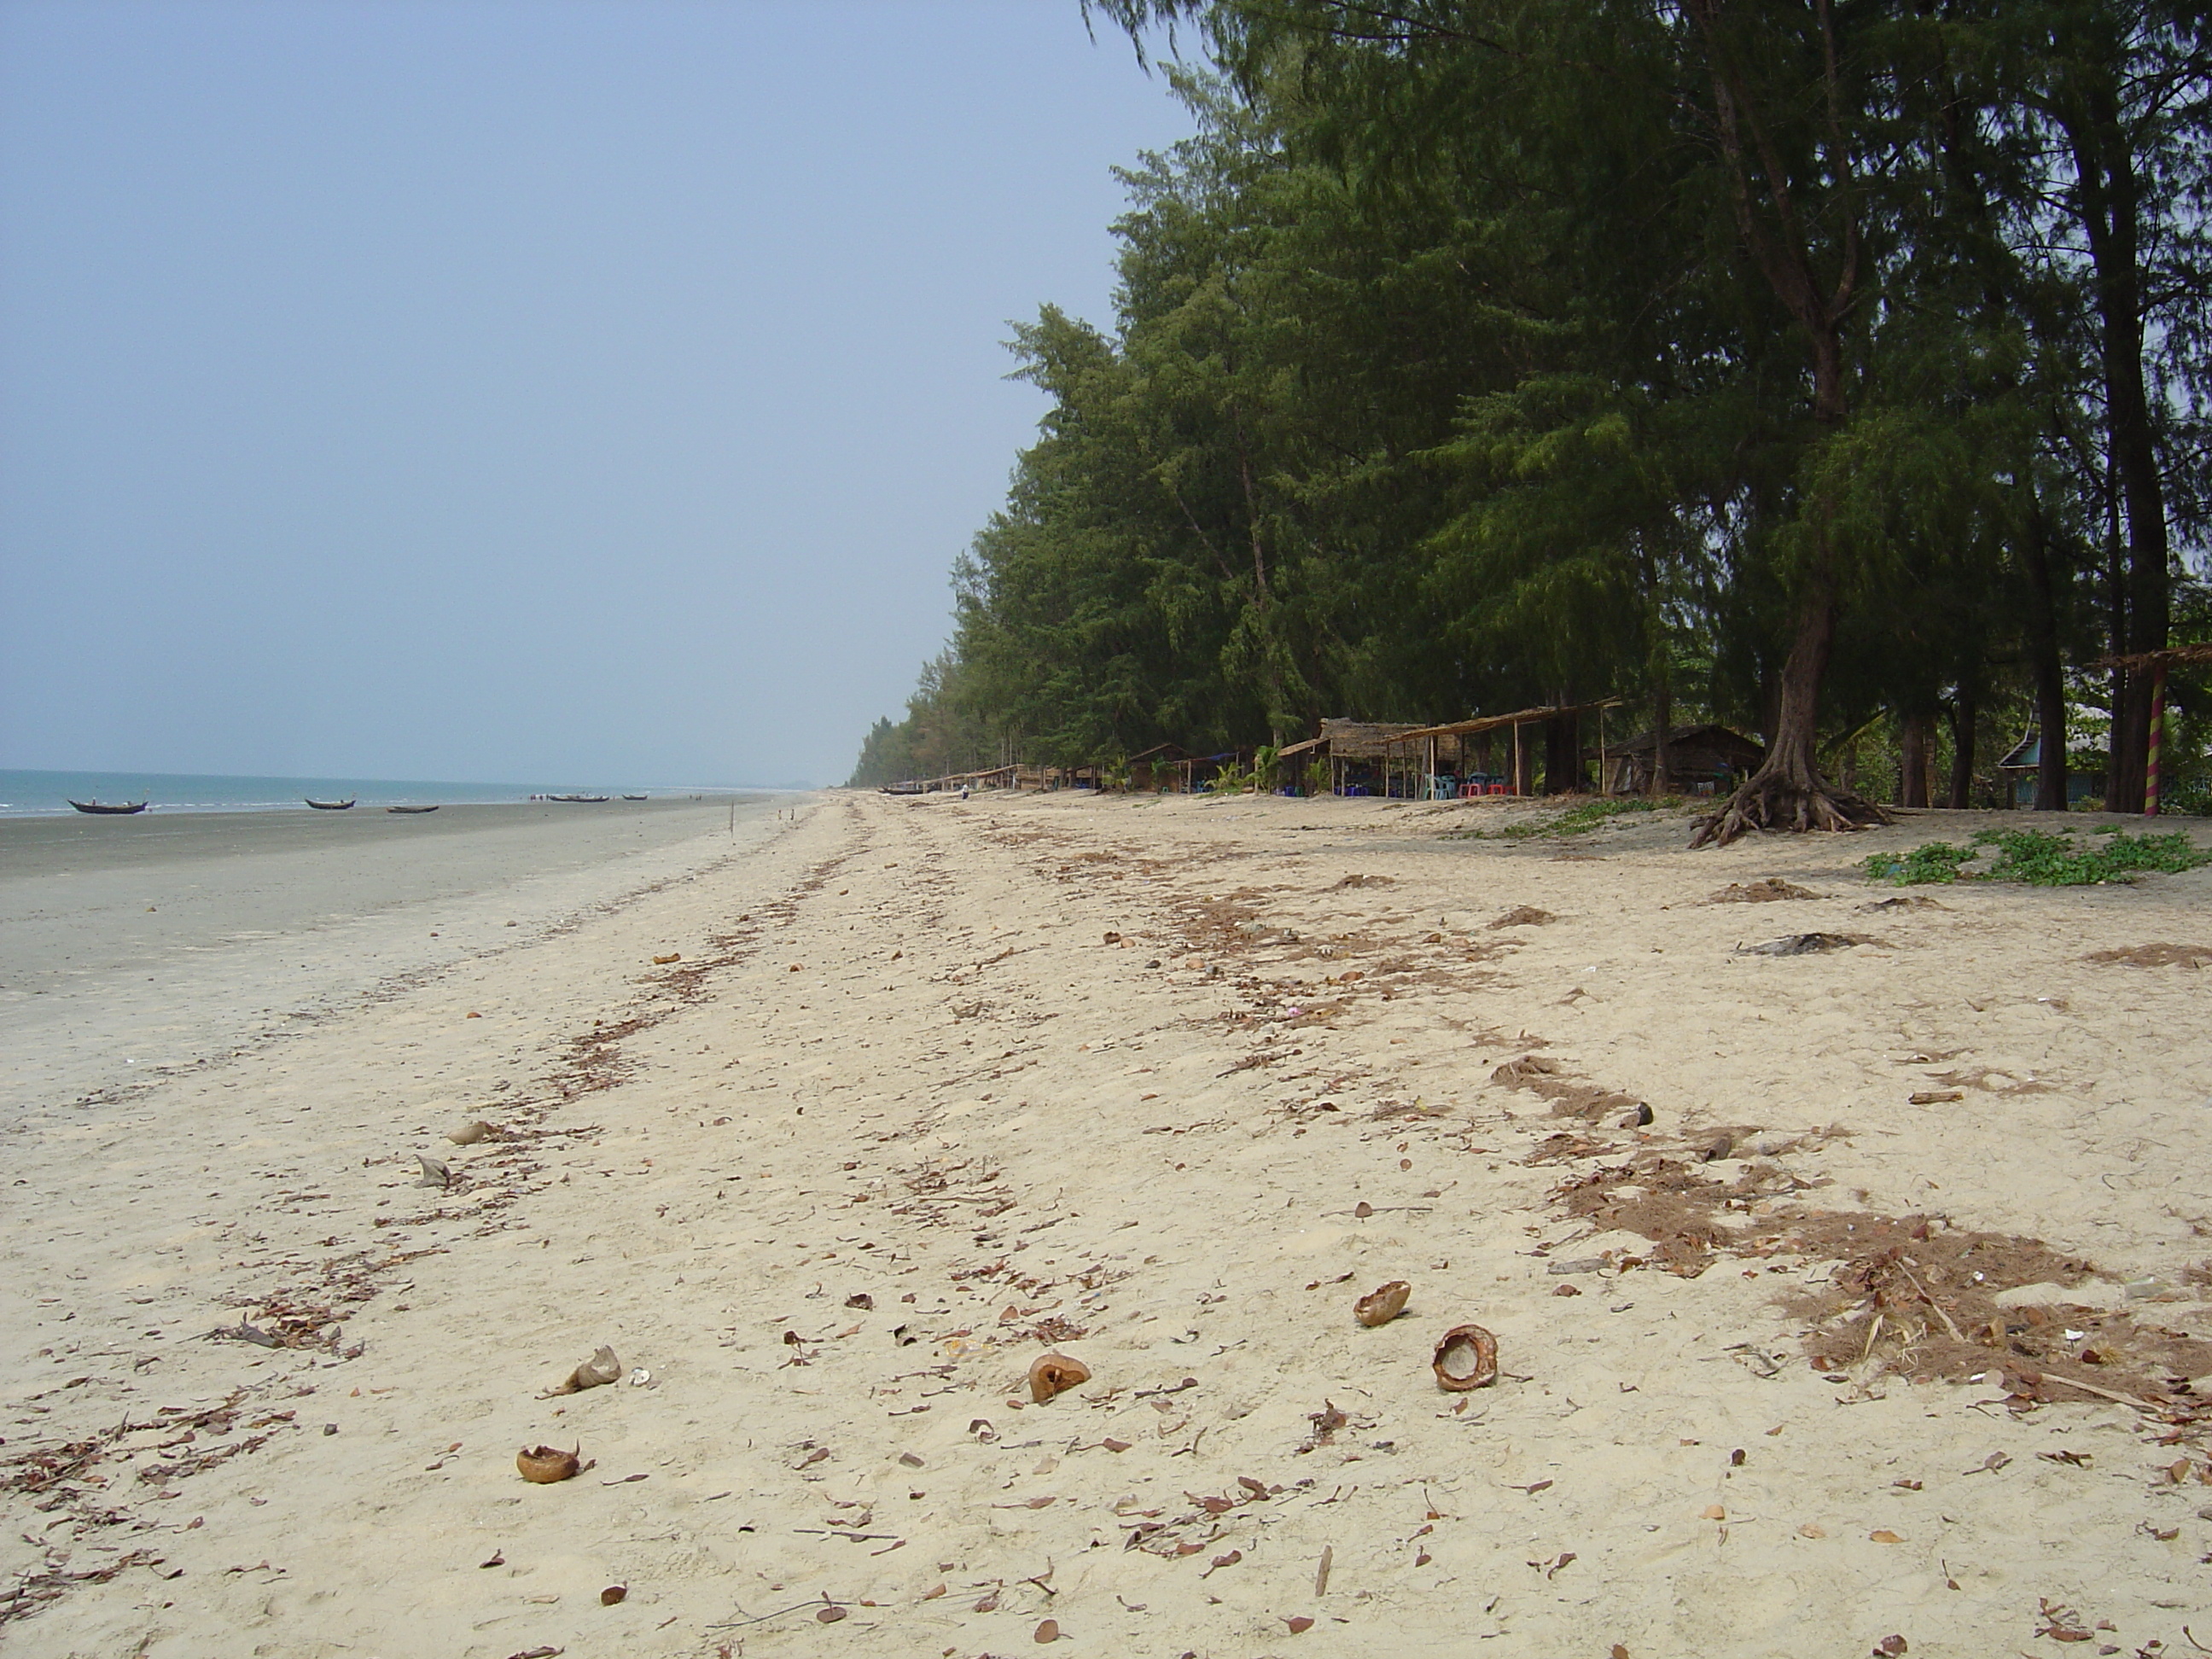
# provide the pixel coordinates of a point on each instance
(29, 794)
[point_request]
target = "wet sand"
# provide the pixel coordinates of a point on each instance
(163, 939)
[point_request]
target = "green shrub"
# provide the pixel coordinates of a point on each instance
(2040, 859)
(1936, 861)
(1575, 821)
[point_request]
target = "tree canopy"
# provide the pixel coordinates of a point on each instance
(1835, 370)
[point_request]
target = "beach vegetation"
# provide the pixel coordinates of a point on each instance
(1836, 373)
(2040, 859)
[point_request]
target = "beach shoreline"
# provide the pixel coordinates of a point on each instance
(831, 1133)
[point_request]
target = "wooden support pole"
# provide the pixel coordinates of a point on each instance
(2157, 741)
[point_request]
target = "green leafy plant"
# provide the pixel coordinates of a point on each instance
(1231, 778)
(1936, 861)
(2040, 859)
(1575, 821)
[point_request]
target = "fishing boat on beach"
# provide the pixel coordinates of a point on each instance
(329, 805)
(121, 811)
(586, 798)
(633, 798)
(410, 809)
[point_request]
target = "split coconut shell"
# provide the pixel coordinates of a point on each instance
(601, 1369)
(544, 1465)
(1055, 1373)
(471, 1132)
(1466, 1358)
(1380, 1307)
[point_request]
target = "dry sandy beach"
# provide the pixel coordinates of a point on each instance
(918, 1091)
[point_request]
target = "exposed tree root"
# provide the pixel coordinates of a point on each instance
(1778, 802)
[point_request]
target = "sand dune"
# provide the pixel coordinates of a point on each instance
(936, 1087)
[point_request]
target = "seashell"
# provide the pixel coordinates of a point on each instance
(1055, 1373)
(1380, 1307)
(436, 1172)
(601, 1369)
(544, 1465)
(1466, 1358)
(469, 1133)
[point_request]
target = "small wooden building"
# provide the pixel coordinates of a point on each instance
(2025, 759)
(1700, 760)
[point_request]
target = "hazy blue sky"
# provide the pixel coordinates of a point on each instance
(531, 390)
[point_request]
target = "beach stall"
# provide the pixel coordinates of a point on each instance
(1463, 759)
(1355, 752)
(1159, 769)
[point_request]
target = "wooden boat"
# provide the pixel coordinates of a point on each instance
(575, 798)
(410, 809)
(901, 789)
(122, 811)
(329, 805)
(633, 798)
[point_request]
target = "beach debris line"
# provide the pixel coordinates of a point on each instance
(1802, 945)
(1466, 1358)
(2155, 955)
(1052, 1374)
(1384, 1304)
(541, 1466)
(1765, 890)
(601, 1369)
(1524, 916)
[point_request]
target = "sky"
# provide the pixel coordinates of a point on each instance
(521, 390)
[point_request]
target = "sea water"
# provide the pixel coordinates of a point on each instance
(26, 794)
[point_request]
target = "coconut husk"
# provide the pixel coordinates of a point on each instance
(544, 1465)
(1381, 1306)
(1055, 1373)
(601, 1369)
(1466, 1358)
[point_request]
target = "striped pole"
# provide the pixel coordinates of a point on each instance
(2157, 740)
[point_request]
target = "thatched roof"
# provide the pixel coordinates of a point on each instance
(1683, 740)
(2174, 656)
(1493, 722)
(1360, 740)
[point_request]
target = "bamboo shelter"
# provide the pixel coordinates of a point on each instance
(1357, 753)
(1413, 756)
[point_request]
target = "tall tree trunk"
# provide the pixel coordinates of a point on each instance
(2045, 596)
(1787, 791)
(2116, 599)
(2110, 191)
(1562, 766)
(1661, 749)
(1964, 712)
(1913, 746)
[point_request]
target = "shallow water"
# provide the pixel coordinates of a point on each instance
(34, 795)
